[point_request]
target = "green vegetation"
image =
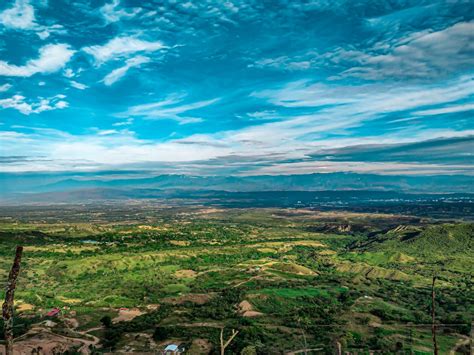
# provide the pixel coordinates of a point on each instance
(283, 278)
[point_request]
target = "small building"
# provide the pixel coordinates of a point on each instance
(53, 313)
(49, 324)
(172, 349)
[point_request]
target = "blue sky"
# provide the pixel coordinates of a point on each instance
(237, 87)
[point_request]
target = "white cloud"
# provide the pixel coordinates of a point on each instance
(69, 73)
(444, 110)
(5, 87)
(283, 63)
(121, 47)
(43, 34)
(336, 110)
(52, 58)
(77, 85)
(424, 55)
(119, 73)
(370, 99)
(61, 104)
(111, 148)
(26, 107)
(127, 122)
(112, 12)
(104, 148)
(20, 16)
(389, 168)
(169, 108)
(106, 132)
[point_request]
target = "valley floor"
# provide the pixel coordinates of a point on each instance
(139, 279)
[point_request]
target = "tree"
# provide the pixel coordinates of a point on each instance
(249, 350)
(106, 321)
(161, 333)
(433, 316)
(224, 345)
(7, 308)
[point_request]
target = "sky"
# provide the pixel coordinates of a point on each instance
(237, 87)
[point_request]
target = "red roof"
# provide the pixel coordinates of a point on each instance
(53, 312)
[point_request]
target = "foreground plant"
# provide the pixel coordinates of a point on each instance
(7, 308)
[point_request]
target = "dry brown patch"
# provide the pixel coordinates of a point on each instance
(327, 252)
(152, 307)
(25, 307)
(69, 300)
(250, 314)
(200, 346)
(126, 315)
(185, 273)
(180, 243)
(50, 343)
(245, 306)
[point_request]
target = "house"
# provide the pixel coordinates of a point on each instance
(173, 349)
(53, 313)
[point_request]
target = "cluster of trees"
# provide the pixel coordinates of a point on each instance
(114, 331)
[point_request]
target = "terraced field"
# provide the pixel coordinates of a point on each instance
(286, 279)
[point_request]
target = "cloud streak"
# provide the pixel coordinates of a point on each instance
(119, 73)
(171, 108)
(120, 47)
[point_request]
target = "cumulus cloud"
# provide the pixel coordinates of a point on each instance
(27, 107)
(52, 58)
(113, 13)
(119, 73)
(120, 47)
(20, 16)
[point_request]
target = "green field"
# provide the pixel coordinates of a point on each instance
(285, 279)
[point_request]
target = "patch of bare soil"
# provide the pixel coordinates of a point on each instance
(245, 308)
(180, 243)
(43, 342)
(152, 307)
(126, 315)
(250, 314)
(71, 322)
(25, 307)
(200, 346)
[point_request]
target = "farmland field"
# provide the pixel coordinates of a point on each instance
(137, 278)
